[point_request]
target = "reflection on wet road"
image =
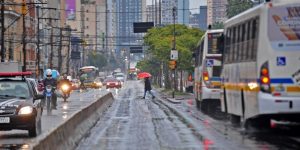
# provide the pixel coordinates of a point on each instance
(135, 123)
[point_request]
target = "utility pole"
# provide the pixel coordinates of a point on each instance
(2, 32)
(68, 53)
(82, 35)
(50, 62)
(159, 13)
(38, 41)
(60, 50)
(51, 46)
(174, 48)
(24, 11)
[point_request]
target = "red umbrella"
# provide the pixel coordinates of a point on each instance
(144, 75)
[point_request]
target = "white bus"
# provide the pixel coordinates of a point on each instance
(208, 63)
(261, 70)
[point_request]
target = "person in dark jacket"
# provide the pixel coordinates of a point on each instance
(148, 88)
(51, 81)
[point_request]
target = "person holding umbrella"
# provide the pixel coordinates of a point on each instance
(148, 87)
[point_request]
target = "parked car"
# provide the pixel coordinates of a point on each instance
(20, 103)
(112, 83)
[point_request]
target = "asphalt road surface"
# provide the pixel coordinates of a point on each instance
(133, 123)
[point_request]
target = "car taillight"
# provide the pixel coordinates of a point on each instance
(205, 76)
(265, 78)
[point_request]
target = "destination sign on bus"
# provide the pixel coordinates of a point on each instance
(212, 43)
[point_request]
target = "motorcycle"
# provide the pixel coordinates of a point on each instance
(48, 94)
(66, 89)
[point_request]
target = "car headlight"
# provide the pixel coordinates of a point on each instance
(25, 110)
(65, 87)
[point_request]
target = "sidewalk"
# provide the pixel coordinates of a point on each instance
(178, 98)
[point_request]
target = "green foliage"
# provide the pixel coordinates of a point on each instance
(151, 65)
(218, 25)
(160, 42)
(235, 7)
(98, 60)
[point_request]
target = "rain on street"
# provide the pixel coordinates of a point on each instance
(136, 123)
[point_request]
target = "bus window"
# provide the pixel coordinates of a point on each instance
(245, 45)
(255, 38)
(220, 43)
(216, 71)
(250, 45)
(227, 48)
(232, 45)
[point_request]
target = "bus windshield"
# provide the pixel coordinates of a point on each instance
(212, 45)
(91, 73)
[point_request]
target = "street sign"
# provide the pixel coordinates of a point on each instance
(137, 49)
(174, 55)
(142, 27)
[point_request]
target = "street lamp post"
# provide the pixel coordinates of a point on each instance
(174, 48)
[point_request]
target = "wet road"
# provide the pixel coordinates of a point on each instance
(135, 123)
(18, 139)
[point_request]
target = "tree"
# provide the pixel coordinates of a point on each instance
(235, 7)
(160, 41)
(96, 59)
(218, 25)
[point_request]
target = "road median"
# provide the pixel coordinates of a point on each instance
(69, 133)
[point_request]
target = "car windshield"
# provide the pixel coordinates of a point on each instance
(9, 89)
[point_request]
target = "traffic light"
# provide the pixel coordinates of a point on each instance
(24, 8)
(172, 64)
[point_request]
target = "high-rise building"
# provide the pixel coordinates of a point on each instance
(203, 18)
(151, 12)
(216, 11)
(182, 14)
(101, 22)
(194, 20)
(110, 27)
(129, 11)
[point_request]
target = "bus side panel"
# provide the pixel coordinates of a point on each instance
(233, 95)
(250, 95)
(197, 80)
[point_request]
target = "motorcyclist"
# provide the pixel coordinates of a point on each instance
(63, 81)
(51, 81)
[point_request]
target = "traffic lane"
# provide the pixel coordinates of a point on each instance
(19, 139)
(271, 139)
(135, 123)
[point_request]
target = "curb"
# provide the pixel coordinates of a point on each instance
(68, 134)
(174, 101)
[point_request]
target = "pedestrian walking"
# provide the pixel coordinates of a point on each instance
(148, 88)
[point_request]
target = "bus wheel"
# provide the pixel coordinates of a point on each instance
(203, 106)
(235, 120)
(198, 104)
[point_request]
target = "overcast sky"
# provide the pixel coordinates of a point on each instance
(193, 4)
